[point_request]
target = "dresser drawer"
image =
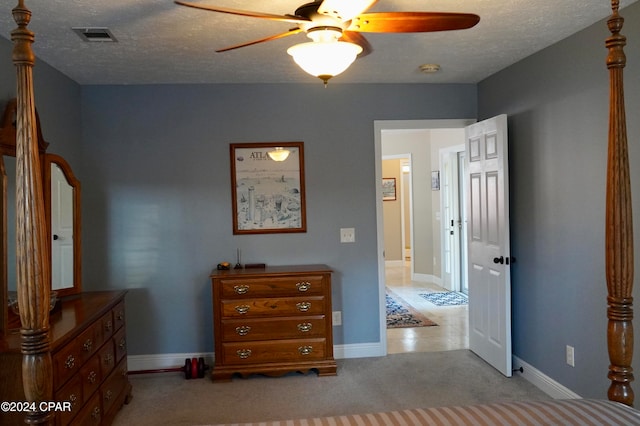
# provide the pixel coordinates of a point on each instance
(107, 358)
(66, 363)
(274, 351)
(113, 386)
(118, 316)
(107, 327)
(276, 328)
(91, 413)
(71, 392)
(91, 376)
(272, 286)
(89, 341)
(285, 306)
(120, 344)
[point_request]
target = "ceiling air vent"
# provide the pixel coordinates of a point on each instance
(94, 34)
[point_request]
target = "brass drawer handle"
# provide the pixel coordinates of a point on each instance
(242, 309)
(123, 344)
(108, 395)
(70, 362)
(120, 315)
(92, 377)
(304, 327)
(243, 330)
(305, 350)
(303, 306)
(108, 359)
(73, 399)
(241, 289)
(303, 286)
(87, 345)
(108, 326)
(243, 353)
(95, 413)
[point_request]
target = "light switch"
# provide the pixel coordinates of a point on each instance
(347, 235)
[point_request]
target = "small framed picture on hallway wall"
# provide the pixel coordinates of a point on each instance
(388, 189)
(435, 180)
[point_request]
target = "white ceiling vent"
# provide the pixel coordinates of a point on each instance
(94, 34)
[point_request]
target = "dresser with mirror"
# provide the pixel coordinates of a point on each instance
(86, 329)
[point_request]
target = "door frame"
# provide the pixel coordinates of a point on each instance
(400, 191)
(379, 126)
(455, 191)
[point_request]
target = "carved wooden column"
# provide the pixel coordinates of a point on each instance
(619, 227)
(32, 269)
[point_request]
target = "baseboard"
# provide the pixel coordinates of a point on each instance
(162, 361)
(426, 278)
(360, 350)
(543, 382)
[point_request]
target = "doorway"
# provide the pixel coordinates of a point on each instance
(425, 266)
(453, 229)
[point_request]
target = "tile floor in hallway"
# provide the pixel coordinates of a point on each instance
(452, 331)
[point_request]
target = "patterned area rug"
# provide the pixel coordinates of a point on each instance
(401, 315)
(446, 298)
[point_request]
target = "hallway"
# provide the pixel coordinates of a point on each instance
(452, 330)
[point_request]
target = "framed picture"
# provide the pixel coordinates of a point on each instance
(267, 187)
(435, 180)
(388, 189)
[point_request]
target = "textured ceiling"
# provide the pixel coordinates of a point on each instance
(160, 42)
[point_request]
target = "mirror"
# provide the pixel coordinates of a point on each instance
(61, 192)
(62, 208)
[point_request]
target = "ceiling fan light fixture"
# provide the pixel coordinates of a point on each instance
(325, 57)
(344, 10)
(278, 153)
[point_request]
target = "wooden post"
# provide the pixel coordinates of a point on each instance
(619, 226)
(32, 269)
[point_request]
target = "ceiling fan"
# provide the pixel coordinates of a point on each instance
(335, 26)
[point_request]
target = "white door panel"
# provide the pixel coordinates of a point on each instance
(488, 242)
(62, 271)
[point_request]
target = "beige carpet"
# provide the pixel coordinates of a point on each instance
(394, 382)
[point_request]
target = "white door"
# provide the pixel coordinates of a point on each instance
(447, 224)
(486, 169)
(61, 230)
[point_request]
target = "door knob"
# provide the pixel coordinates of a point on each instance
(498, 259)
(55, 237)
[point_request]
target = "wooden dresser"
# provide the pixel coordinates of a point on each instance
(88, 350)
(272, 321)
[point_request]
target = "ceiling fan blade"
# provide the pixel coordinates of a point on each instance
(285, 18)
(345, 10)
(357, 38)
(412, 22)
(292, 31)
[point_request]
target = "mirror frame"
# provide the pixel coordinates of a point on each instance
(8, 148)
(48, 161)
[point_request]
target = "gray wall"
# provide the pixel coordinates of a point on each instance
(157, 201)
(557, 102)
(57, 101)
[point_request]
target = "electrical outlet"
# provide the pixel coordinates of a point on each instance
(571, 356)
(336, 318)
(347, 235)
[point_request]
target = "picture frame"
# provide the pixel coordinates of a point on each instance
(388, 189)
(435, 180)
(268, 196)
